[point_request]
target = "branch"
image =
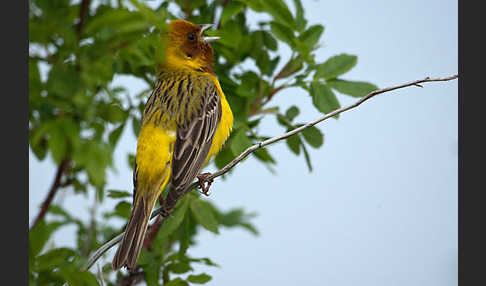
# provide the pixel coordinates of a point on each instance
(83, 10)
(272, 140)
(52, 192)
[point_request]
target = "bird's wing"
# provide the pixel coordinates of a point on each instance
(193, 141)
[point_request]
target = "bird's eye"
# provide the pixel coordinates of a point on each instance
(191, 36)
(189, 55)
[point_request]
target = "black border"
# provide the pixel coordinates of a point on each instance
(14, 138)
(471, 149)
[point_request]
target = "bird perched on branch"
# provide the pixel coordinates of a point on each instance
(185, 122)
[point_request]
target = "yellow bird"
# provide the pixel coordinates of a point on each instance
(185, 122)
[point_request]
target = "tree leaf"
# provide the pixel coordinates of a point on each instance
(177, 282)
(353, 88)
(307, 158)
(293, 142)
(54, 258)
(179, 267)
(172, 223)
(269, 41)
(283, 33)
(280, 12)
(202, 278)
(240, 142)
(203, 214)
(299, 15)
(122, 209)
(229, 10)
(292, 112)
(57, 144)
(313, 136)
(323, 98)
(335, 66)
(311, 36)
(115, 194)
(224, 157)
(293, 65)
(115, 135)
(262, 154)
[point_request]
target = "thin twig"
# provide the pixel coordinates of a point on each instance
(52, 192)
(272, 140)
(83, 11)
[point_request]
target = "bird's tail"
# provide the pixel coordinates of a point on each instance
(132, 240)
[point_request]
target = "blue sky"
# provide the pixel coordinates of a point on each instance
(380, 207)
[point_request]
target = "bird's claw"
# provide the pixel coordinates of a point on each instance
(163, 212)
(203, 179)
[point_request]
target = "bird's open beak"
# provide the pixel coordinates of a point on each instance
(204, 27)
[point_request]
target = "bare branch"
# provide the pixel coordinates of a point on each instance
(52, 192)
(272, 140)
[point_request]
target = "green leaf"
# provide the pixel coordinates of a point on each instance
(112, 113)
(311, 36)
(269, 41)
(307, 158)
(293, 65)
(299, 15)
(204, 215)
(262, 154)
(238, 217)
(115, 194)
(177, 282)
(323, 98)
(335, 66)
(280, 12)
(76, 277)
(38, 237)
(249, 85)
(353, 88)
(179, 267)
(293, 142)
(313, 136)
(199, 279)
(292, 112)
(273, 65)
(224, 157)
(231, 35)
(57, 144)
(240, 142)
(263, 62)
(136, 125)
(54, 258)
(172, 223)
(232, 8)
(283, 33)
(122, 209)
(115, 135)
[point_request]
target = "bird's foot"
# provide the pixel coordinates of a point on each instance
(203, 179)
(163, 212)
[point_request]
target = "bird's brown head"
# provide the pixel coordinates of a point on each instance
(188, 47)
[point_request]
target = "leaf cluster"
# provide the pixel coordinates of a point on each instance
(77, 116)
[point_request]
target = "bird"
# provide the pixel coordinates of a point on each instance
(185, 122)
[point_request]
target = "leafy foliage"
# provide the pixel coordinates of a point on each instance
(77, 116)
